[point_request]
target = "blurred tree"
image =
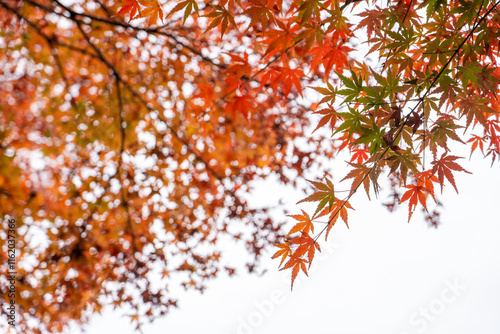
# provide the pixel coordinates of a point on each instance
(126, 153)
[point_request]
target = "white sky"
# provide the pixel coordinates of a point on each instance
(382, 276)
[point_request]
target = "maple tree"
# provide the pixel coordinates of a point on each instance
(132, 130)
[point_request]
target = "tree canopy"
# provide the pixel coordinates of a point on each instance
(131, 131)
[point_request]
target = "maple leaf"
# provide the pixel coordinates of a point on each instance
(414, 121)
(307, 245)
(445, 128)
(311, 34)
(475, 108)
(338, 209)
(325, 194)
(240, 104)
(371, 21)
(268, 78)
(418, 192)
(280, 39)
(189, 5)
(444, 166)
(153, 11)
(403, 161)
(396, 115)
(260, 12)
(237, 70)
(415, 194)
(427, 179)
(329, 116)
(476, 141)
(131, 7)
(334, 55)
(290, 77)
(359, 155)
(330, 93)
(284, 251)
(360, 174)
(220, 16)
(296, 264)
(305, 224)
(306, 9)
(303, 239)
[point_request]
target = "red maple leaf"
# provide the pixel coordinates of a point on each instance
(131, 7)
(444, 166)
(418, 192)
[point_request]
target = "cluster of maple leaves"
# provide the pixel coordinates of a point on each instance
(149, 120)
(439, 74)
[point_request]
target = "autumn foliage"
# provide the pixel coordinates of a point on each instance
(131, 132)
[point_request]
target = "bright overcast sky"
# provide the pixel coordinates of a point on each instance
(382, 276)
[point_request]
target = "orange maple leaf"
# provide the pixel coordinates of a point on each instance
(358, 174)
(306, 245)
(153, 11)
(476, 141)
(305, 224)
(188, 4)
(339, 208)
(284, 251)
(297, 264)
